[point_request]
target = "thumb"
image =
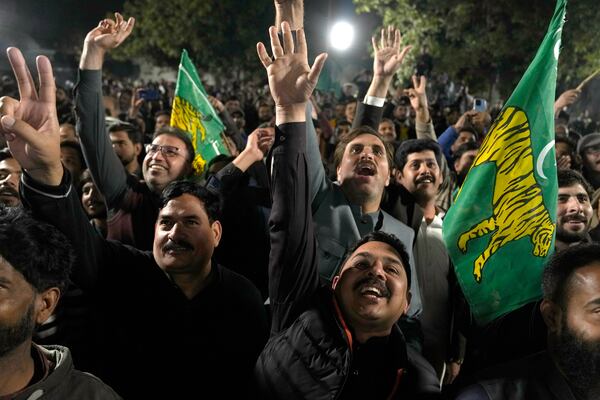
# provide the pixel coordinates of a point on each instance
(19, 128)
(317, 67)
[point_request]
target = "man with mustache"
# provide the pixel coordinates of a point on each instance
(170, 320)
(570, 367)
(337, 340)
(10, 172)
(412, 198)
(132, 205)
(574, 210)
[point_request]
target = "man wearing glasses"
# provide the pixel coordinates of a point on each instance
(132, 204)
(10, 172)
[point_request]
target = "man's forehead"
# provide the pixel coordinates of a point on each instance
(586, 282)
(428, 155)
(184, 205)
(120, 134)
(573, 189)
(10, 164)
(170, 140)
(376, 248)
(366, 138)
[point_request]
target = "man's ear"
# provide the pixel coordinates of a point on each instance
(552, 315)
(408, 299)
(45, 303)
(217, 230)
(397, 175)
(335, 281)
(138, 148)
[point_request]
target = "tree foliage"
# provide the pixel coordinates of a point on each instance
(489, 42)
(217, 34)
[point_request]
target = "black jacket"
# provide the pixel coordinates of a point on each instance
(311, 353)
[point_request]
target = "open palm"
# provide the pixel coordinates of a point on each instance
(109, 33)
(389, 53)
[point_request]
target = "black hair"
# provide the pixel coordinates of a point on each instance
(39, 251)
(388, 238)
(210, 200)
(569, 177)
(353, 134)
(179, 134)
(162, 112)
(77, 147)
(558, 271)
(133, 131)
(415, 146)
(566, 140)
(463, 148)
(5, 154)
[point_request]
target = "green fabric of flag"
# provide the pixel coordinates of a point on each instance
(193, 113)
(500, 230)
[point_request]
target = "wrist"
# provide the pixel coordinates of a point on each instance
(92, 57)
(290, 113)
(50, 175)
(379, 86)
(245, 160)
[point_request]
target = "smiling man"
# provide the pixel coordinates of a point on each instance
(339, 340)
(132, 205)
(172, 316)
(574, 211)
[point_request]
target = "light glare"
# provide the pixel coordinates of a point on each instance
(341, 36)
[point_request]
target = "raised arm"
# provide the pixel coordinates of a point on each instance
(388, 54)
(418, 101)
(290, 11)
(30, 126)
(105, 167)
(293, 274)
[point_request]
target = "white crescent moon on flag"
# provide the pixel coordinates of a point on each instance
(540, 161)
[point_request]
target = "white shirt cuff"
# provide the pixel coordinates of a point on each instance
(374, 101)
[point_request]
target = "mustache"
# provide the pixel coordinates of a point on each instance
(425, 177)
(177, 245)
(574, 217)
(8, 191)
(374, 282)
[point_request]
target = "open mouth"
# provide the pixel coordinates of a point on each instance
(8, 192)
(424, 179)
(366, 168)
(157, 167)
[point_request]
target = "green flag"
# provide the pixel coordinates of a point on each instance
(500, 230)
(193, 113)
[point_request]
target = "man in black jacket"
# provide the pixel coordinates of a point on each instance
(172, 323)
(327, 342)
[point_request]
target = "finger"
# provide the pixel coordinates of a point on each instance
(317, 67)
(404, 52)
(118, 19)
(389, 35)
(8, 106)
(415, 82)
(382, 38)
(423, 83)
(47, 85)
(288, 40)
(301, 38)
(262, 55)
(22, 74)
(397, 39)
(19, 128)
(374, 42)
(275, 44)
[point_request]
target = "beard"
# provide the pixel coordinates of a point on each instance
(569, 237)
(578, 359)
(12, 336)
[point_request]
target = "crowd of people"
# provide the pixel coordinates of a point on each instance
(308, 263)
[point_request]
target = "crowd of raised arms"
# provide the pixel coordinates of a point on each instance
(308, 264)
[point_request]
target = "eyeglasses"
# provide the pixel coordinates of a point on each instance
(167, 151)
(5, 173)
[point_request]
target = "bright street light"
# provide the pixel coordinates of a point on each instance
(341, 36)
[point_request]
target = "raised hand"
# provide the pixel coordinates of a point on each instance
(108, 35)
(417, 94)
(389, 54)
(291, 80)
(30, 125)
